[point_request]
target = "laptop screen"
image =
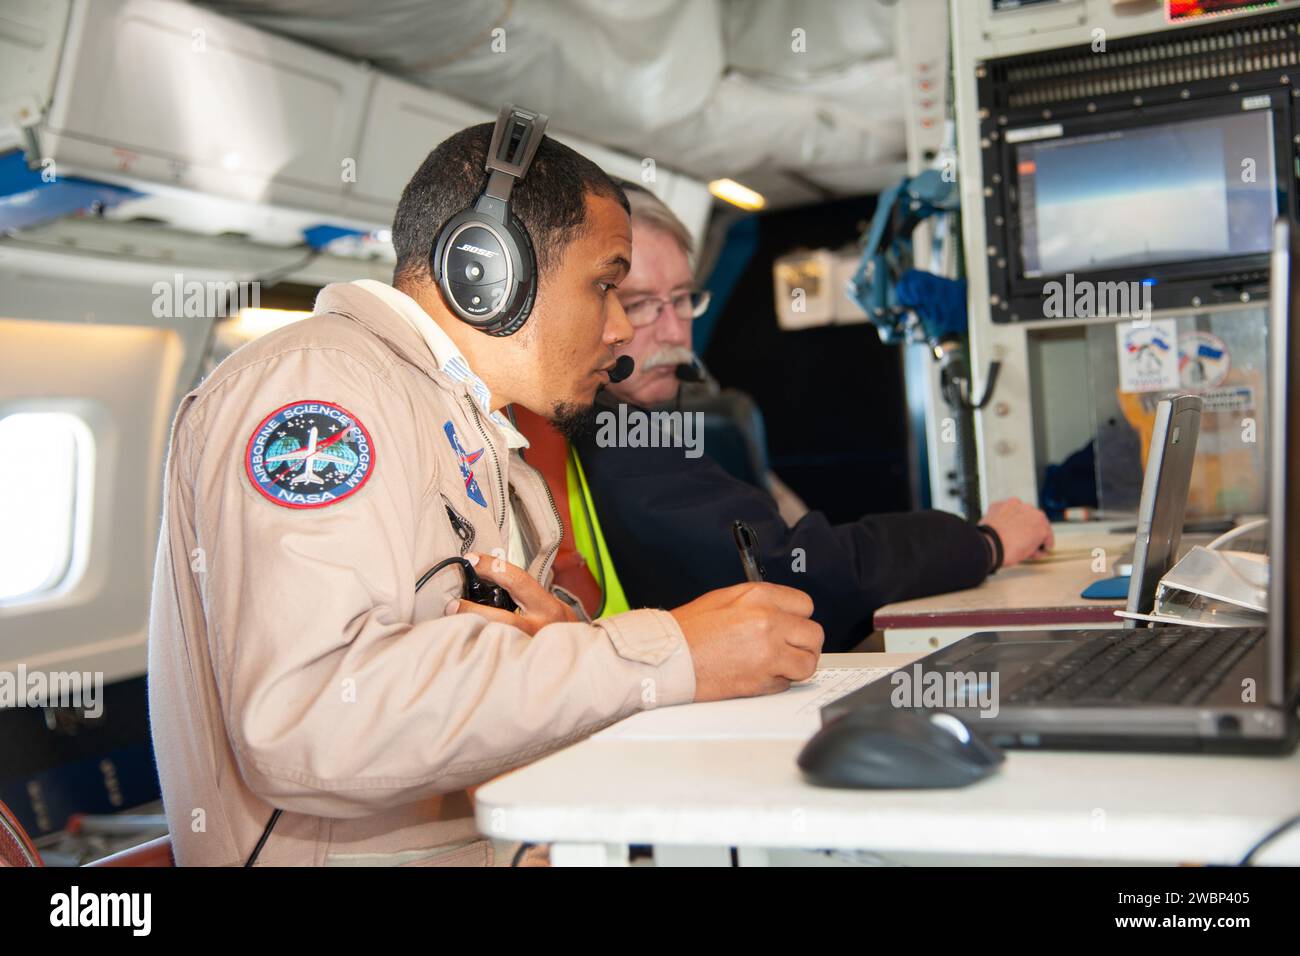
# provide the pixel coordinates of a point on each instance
(1284, 470)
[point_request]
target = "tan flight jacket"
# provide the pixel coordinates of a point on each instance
(292, 663)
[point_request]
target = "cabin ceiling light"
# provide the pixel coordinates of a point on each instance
(728, 190)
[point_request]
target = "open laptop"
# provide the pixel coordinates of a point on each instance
(1157, 689)
(1165, 486)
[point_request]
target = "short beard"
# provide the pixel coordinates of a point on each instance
(574, 422)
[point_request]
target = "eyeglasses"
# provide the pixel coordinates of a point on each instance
(687, 306)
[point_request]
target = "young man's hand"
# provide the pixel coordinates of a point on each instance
(745, 640)
(750, 639)
(538, 607)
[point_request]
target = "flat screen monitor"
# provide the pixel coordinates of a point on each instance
(1197, 189)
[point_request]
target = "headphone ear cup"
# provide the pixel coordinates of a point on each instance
(478, 264)
(517, 311)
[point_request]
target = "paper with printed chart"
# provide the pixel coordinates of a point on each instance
(792, 714)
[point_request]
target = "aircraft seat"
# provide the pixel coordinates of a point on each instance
(157, 852)
(17, 849)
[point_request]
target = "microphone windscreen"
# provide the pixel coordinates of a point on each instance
(689, 372)
(622, 369)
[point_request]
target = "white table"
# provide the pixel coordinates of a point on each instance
(693, 800)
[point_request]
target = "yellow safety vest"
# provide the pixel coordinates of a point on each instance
(589, 540)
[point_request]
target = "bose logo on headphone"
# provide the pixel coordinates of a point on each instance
(476, 250)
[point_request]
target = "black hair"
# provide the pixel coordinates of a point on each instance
(631, 185)
(551, 201)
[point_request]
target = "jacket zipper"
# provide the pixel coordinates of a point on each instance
(460, 525)
(541, 573)
(496, 463)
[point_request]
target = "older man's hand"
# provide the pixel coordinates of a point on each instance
(1024, 530)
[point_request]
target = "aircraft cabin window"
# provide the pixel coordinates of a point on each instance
(40, 507)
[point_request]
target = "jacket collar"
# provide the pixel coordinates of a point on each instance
(398, 319)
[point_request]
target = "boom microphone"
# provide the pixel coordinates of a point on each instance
(690, 372)
(622, 369)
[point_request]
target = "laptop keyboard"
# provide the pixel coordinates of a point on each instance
(1169, 665)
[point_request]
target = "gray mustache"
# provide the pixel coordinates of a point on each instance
(669, 356)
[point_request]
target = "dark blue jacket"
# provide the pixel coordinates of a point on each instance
(667, 521)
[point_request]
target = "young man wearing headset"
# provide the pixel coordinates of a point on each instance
(316, 695)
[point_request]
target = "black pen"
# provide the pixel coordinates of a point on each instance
(747, 545)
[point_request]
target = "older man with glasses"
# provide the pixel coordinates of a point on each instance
(662, 520)
(660, 301)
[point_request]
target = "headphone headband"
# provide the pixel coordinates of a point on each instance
(515, 139)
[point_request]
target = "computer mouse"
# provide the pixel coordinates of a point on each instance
(897, 748)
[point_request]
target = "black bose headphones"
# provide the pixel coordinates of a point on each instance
(483, 259)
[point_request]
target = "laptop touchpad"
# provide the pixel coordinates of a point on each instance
(993, 656)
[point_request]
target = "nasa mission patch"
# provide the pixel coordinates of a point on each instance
(309, 454)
